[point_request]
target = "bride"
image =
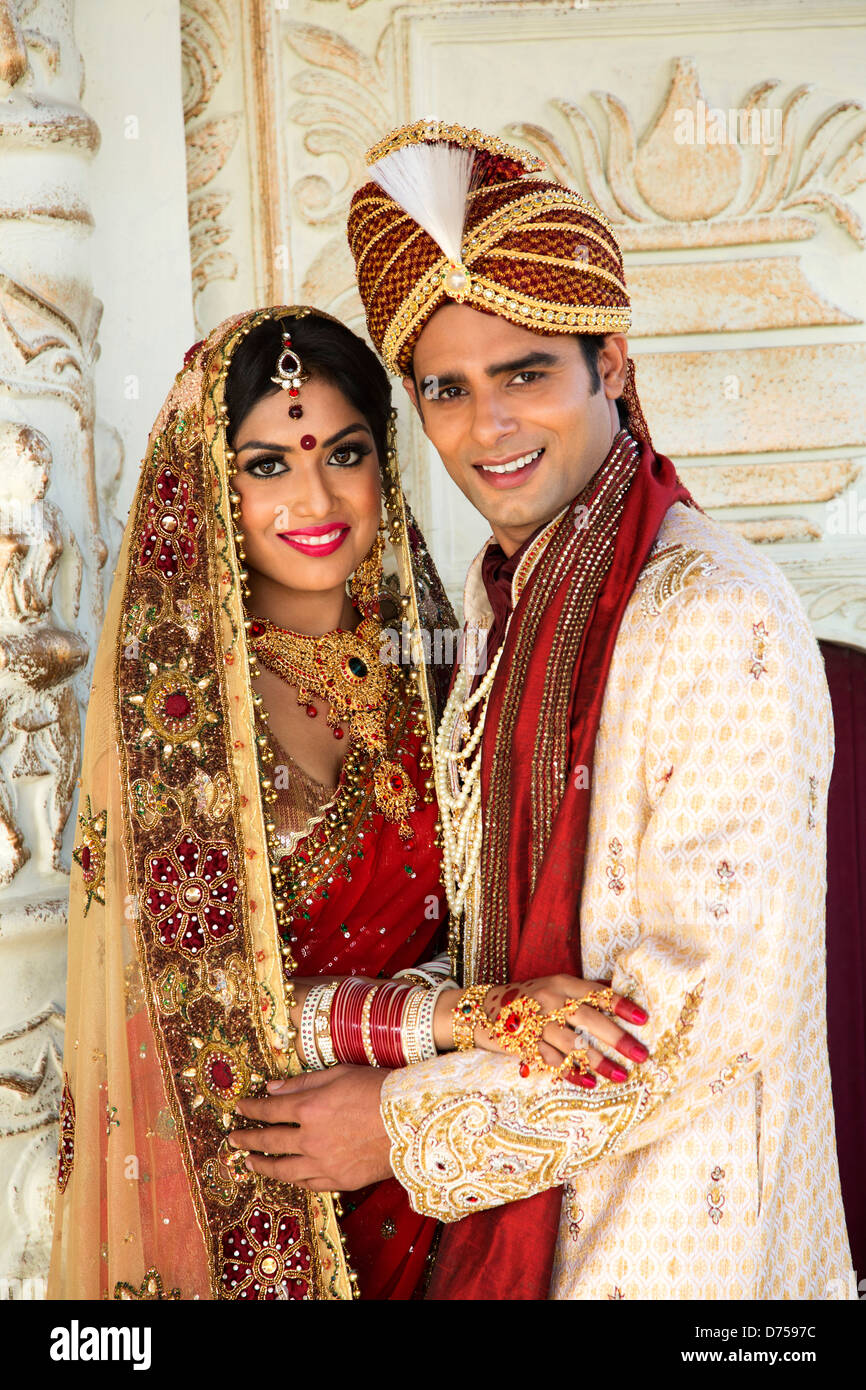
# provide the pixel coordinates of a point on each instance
(258, 877)
(256, 821)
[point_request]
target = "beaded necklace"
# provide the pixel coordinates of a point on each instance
(458, 788)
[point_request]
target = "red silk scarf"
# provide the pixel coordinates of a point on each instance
(543, 715)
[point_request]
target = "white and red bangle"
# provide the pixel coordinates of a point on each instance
(322, 1024)
(409, 1027)
(312, 1059)
(426, 1036)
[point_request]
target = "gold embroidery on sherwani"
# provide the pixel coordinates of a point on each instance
(716, 1195)
(759, 650)
(582, 553)
(471, 1151)
(667, 571)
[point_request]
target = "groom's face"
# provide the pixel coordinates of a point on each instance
(515, 415)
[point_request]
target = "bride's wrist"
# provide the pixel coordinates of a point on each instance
(443, 1029)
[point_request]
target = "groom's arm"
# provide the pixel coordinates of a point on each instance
(730, 875)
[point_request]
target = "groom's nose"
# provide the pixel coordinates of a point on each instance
(493, 417)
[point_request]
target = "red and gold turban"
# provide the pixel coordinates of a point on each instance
(518, 245)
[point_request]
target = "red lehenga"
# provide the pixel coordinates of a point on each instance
(361, 900)
(185, 912)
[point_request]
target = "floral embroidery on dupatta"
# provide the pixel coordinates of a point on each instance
(90, 854)
(66, 1145)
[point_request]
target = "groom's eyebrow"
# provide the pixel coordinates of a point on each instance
(525, 363)
(289, 449)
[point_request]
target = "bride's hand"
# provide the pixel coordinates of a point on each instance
(557, 1041)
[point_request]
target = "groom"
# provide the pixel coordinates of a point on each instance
(653, 772)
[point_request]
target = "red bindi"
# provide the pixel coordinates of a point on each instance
(308, 441)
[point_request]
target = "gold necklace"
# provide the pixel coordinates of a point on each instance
(345, 670)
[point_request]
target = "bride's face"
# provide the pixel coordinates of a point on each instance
(309, 487)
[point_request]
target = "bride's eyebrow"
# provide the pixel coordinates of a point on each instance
(288, 448)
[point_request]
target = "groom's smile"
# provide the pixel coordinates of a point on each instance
(518, 418)
(510, 472)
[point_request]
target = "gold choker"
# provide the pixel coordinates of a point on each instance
(345, 670)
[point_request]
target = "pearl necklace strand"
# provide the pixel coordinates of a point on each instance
(460, 814)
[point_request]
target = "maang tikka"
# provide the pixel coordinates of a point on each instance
(290, 374)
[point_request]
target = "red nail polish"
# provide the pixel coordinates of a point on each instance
(618, 1073)
(630, 1047)
(636, 1014)
(580, 1078)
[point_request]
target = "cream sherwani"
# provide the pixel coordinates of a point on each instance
(712, 1172)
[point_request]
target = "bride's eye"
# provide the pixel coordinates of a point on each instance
(349, 454)
(265, 467)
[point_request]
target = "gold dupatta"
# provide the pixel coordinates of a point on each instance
(176, 1003)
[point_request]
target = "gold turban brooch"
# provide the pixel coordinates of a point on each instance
(454, 214)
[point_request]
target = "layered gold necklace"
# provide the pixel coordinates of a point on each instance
(345, 670)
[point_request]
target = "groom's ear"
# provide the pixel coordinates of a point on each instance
(412, 392)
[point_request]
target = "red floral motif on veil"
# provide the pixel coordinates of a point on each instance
(192, 894)
(66, 1147)
(263, 1256)
(167, 542)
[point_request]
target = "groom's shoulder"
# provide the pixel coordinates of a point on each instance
(699, 567)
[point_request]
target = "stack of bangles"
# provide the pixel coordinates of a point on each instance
(380, 1025)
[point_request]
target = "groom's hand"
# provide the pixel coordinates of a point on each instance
(324, 1130)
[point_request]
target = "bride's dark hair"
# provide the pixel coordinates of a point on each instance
(326, 349)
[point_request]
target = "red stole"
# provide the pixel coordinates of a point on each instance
(543, 717)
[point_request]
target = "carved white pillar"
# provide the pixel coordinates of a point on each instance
(51, 585)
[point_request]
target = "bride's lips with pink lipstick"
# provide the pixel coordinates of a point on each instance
(317, 540)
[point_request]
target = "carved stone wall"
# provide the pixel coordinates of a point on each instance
(728, 144)
(87, 209)
(51, 583)
(235, 202)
